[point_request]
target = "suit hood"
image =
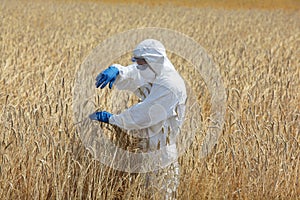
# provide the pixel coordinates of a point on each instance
(154, 53)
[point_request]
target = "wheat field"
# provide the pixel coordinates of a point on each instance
(43, 44)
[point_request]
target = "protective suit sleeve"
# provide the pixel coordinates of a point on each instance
(129, 78)
(158, 106)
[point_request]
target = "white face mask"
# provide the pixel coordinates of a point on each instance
(146, 72)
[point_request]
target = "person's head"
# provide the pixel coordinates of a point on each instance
(150, 55)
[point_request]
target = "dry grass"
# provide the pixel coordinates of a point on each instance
(43, 44)
(235, 4)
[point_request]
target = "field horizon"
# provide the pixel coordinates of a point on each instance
(234, 4)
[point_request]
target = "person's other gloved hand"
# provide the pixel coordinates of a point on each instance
(107, 76)
(102, 116)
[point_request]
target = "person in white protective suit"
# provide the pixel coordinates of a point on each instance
(160, 113)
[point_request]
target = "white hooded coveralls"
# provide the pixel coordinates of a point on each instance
(160, 113)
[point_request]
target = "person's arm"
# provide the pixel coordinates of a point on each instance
(158, 106)
(129, 78)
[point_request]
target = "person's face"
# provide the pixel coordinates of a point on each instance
(145, 70)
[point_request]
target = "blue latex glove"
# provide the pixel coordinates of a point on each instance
(102, 116)
(107, 76)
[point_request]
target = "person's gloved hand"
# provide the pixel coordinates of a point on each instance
(102, 116)
(107, 76)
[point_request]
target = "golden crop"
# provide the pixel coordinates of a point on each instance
(257, 52)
